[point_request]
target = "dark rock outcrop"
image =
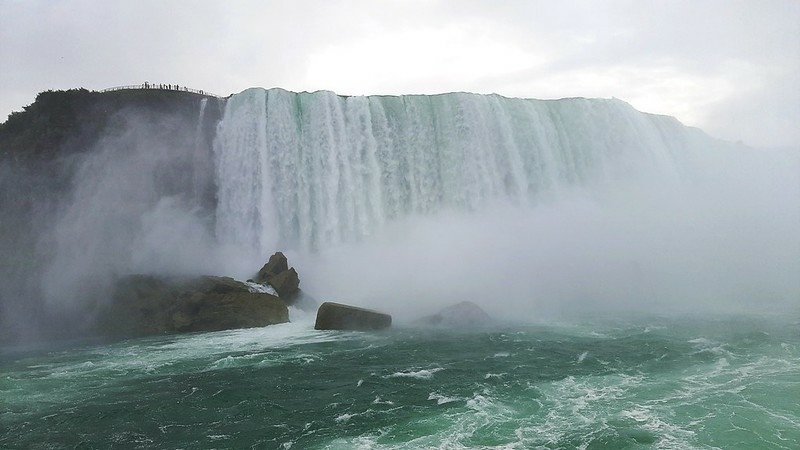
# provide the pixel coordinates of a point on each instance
(286, 283)
(464, 314)
(276, 264)
(284, 279)
(145, 305)
(336, 316)
(50, 149)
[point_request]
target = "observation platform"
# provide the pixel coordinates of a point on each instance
(161, 87)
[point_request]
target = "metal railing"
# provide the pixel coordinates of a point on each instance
(162, 87)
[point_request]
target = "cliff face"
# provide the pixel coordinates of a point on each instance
(50, 149)
(61, 123)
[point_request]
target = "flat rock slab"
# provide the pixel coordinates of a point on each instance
(336, 316)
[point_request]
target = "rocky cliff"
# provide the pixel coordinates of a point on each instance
(51, 148)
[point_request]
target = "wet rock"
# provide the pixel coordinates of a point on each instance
(146, 305)
(217, 285)
(284, 279)
(276, 264)
(336, 316)
(286, 284)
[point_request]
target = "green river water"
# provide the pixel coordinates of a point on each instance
(603, 384)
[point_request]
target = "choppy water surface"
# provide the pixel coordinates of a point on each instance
(656, 383)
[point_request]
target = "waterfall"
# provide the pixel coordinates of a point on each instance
(425, 198)
(200, 171)
(315, 169)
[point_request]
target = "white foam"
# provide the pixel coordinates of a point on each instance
(344, 417)
(307, 358)
(424, 374)
(380, 401)
(232, 348)
(442, 399)
(702, 344)
(258, 288)
(297, 315)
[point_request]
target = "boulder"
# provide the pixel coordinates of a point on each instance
(217, 285)
(276, 264)
(284, 279)
(464, 314)
(143, 305)
(229, 311)
(286, 284)
(336, 316)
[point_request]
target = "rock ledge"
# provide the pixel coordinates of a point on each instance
(336, 316)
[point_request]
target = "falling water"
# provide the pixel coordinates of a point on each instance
(199, 176)
(315, 169)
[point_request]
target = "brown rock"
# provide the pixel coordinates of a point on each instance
(336, 316)
(277, 273)
(217, 285)
(286, 284)
(145, 305)
(277, 263)
(213, 312)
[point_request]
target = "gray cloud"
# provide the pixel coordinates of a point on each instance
(730, 67)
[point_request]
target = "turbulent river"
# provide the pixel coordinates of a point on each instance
(640, 383)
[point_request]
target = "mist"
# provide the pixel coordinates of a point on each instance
(133, 209)
(724, 239)
(713, 230)
(132, 200)
(718, 234)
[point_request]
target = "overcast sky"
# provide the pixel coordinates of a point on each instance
(729, 67)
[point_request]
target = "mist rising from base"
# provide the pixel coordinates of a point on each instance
(531, 209)
(727, 244)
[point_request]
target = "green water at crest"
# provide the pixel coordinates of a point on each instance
(655, 383)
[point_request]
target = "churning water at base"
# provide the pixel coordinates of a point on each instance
(646, 383)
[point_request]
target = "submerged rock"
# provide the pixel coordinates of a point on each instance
(336, 316)
(464, 314)
(145, 305)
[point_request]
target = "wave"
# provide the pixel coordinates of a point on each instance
(422, 374)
